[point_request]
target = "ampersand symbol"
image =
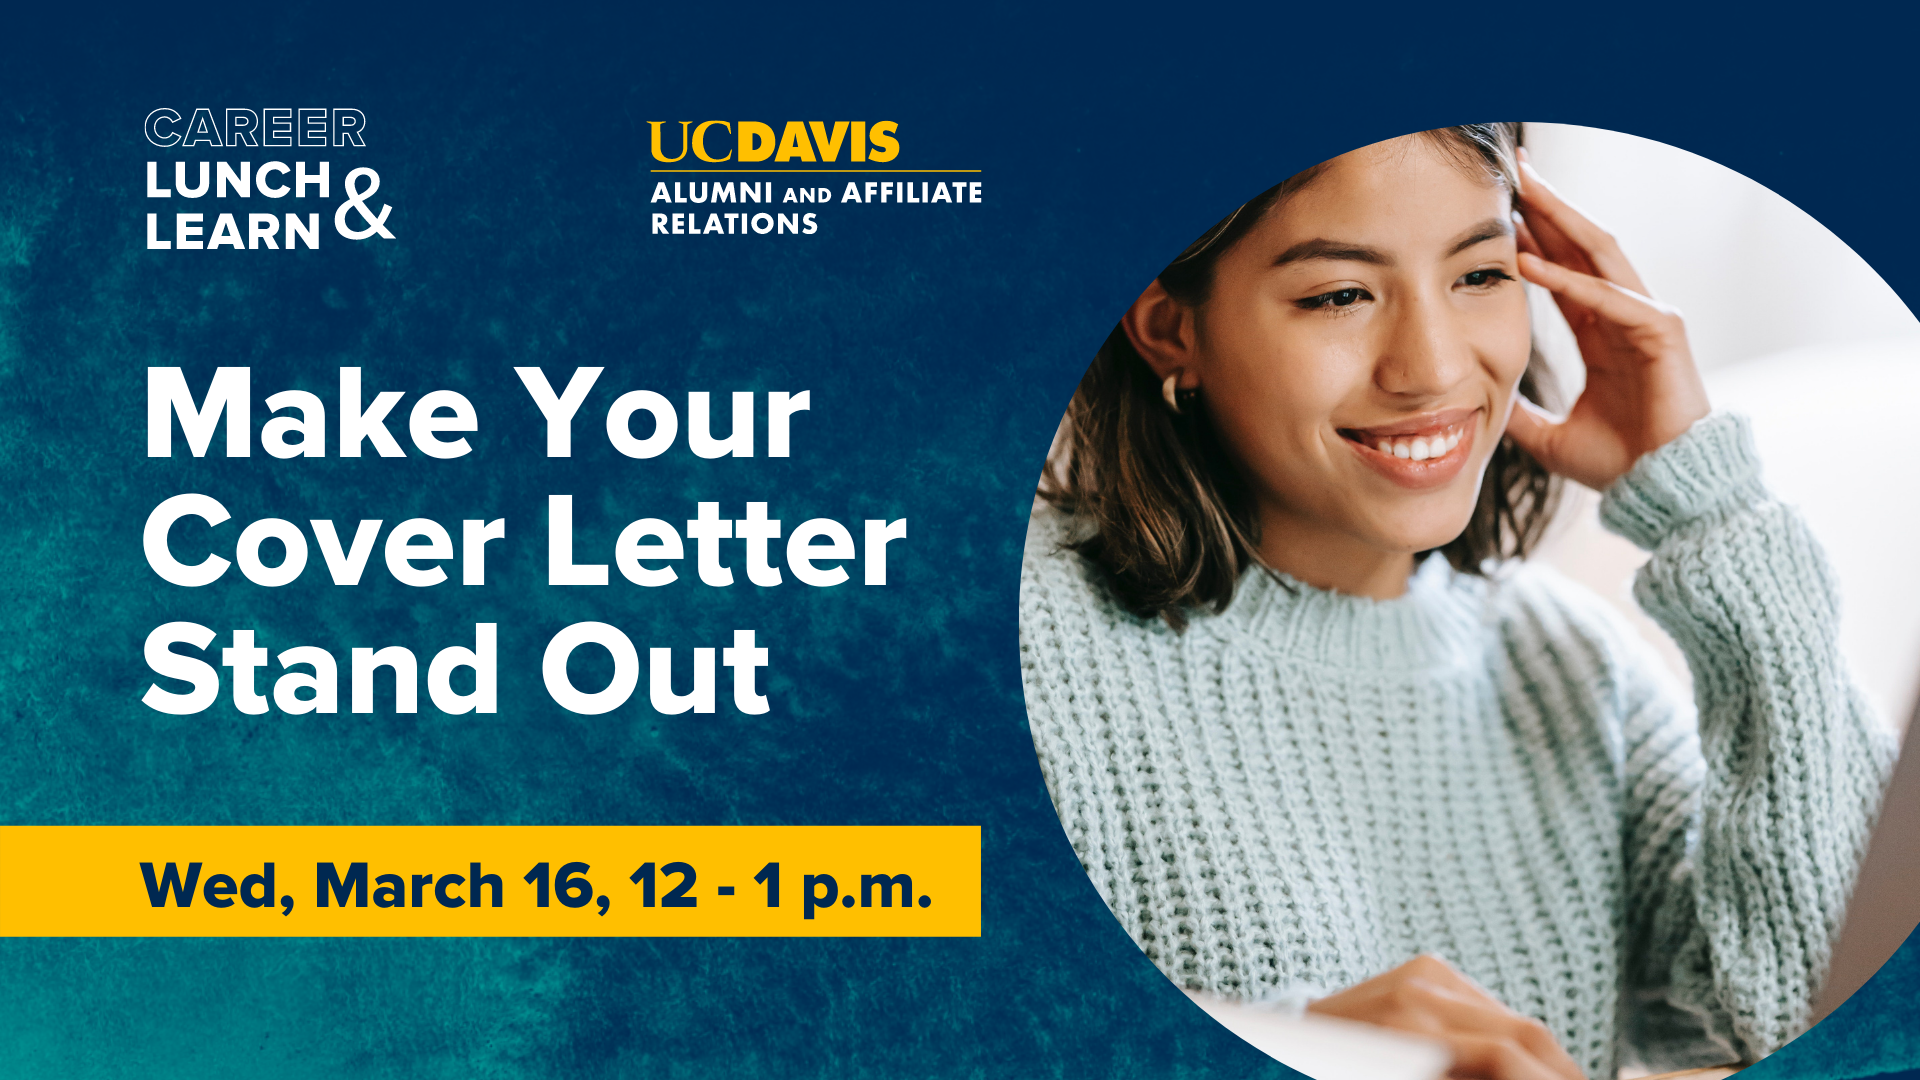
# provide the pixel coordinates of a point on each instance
(357, 200)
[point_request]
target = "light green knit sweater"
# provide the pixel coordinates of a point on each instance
(1312, 788)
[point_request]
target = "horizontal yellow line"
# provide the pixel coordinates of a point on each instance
(871, 171)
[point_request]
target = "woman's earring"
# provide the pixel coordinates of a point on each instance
(1179, 399)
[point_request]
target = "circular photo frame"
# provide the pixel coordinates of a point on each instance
(1431, 615)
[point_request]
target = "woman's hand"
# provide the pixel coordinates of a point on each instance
(1428, 997)
(1642, 388)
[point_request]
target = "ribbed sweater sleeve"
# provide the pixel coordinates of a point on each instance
(1742, 834)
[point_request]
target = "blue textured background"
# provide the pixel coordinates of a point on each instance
(940, 345)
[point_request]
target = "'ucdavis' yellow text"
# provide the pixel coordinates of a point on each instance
(751, 140)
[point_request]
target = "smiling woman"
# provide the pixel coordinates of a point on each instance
(1303, 758)
(1277, 315)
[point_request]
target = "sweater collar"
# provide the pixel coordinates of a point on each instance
(1436, 623)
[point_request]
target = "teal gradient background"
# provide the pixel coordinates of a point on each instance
(939, 344)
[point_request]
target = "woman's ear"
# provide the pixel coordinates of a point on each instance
(1162, 332)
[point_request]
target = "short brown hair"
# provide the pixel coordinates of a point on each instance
(1173, 518)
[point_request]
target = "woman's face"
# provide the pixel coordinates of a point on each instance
(1360, 348)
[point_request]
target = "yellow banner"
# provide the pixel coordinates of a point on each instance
(490, 881)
